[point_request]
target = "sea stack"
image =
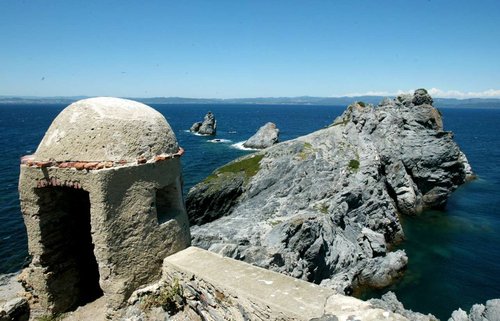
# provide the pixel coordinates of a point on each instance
(265, 137)
(326, 207)
(207, 127)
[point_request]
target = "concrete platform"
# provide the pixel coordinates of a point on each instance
(218, 283)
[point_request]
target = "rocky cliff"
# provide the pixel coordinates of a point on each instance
(479, 312)
(325, 207)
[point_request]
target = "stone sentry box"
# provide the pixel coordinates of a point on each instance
(102, 204)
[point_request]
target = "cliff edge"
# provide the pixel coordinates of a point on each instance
(325, 207)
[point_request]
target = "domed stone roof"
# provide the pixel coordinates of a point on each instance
(107, 129)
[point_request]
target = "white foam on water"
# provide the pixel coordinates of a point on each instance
(220, 140)
(240, 146)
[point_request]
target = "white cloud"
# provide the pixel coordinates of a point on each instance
(436, 93)
(378, 93)
(490, 93)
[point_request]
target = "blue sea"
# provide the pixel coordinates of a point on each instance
(454, 255)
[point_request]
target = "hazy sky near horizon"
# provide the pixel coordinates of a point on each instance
(230, 49)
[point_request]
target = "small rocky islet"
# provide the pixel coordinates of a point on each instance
(265, 137)
(207, 127)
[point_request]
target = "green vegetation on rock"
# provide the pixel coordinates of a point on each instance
(50, 317)
(306, 150)
(344, 122)
(322, 208)
(354, 164)
(248, 165)
(274, 222)
(169, 298)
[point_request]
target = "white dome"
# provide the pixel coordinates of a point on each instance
(107, 129)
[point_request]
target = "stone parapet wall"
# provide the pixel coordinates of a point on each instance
(206, 286)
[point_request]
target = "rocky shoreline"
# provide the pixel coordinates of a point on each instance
(325, 207)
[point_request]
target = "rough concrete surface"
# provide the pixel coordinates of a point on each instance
(107, 129)
(220, 288)
(94, 232)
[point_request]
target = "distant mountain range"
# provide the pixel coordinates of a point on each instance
(303, 100)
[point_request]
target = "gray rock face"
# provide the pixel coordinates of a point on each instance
(207, 127)
(324, 207)
(265, 137)
(390, 302)
(196, 127)
(12, 305)
(479, 312)
(16, 309)
(421, 97)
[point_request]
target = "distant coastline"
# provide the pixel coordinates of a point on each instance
(303, 100)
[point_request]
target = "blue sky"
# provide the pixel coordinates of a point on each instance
(226, 49)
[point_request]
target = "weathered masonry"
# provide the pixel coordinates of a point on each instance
(102, 203)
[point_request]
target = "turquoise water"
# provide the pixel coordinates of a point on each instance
(454, 256)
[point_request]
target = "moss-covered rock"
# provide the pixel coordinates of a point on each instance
(353, 164)
(215, 196)
(247, 165)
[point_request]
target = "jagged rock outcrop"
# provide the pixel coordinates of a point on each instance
(196, 127)
(479, 312)
(13, 306)
(207, 127)
(324, 207)
(16, 309)
(390, 302)
(265, 137)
